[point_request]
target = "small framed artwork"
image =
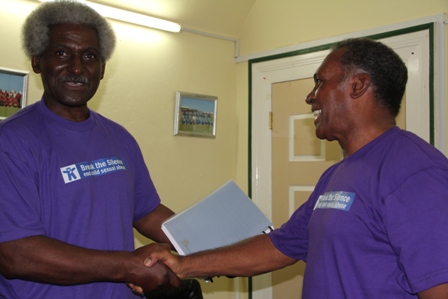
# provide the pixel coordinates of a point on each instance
(13, 88)
(195, 115)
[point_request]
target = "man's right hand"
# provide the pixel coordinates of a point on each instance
(165, 256)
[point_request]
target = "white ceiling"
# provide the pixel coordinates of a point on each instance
(222, 17)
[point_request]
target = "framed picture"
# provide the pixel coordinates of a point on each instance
(13, 88)
(195, 115)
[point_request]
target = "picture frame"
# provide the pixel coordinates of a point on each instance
(195, 115)
(13, 91)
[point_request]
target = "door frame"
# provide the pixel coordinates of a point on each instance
(260, 179)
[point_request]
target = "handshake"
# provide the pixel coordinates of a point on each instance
(162, 270)
(158, 271)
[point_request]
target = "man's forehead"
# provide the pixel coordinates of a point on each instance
(74, 32)
(332, 60)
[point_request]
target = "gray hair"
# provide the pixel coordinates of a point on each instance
(36, 30)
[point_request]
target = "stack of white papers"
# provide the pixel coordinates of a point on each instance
(222, 218)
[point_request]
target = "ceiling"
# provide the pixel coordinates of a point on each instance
(222, 17)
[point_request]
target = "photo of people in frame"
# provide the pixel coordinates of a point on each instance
(12, 92)
(196, 115)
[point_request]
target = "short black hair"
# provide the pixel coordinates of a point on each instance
(386, 69)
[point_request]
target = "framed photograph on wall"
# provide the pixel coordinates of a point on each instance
(13, 89)
(195, 115)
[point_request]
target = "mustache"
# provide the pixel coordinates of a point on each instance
(75, 79)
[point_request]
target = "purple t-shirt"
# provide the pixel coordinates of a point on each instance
(376, 225)
(82, 183)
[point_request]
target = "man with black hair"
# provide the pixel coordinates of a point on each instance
(376, 224)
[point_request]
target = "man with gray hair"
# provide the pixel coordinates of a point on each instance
(73, 184)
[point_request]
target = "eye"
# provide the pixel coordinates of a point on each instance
(61, 53)
(90, 55)
(317, 81)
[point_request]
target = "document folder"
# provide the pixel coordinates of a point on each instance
(222, 218)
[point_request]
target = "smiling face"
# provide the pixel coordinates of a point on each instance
(330, 99)
(71, 68)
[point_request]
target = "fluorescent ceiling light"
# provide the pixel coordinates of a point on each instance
(131, 17)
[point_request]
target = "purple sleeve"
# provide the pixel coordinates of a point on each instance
(292, 237)
(19, 207)
(146, 196)
(416, 216)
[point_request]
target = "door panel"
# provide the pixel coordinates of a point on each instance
(298, 160)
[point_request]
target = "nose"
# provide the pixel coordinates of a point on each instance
(75, 65)
(309, 99)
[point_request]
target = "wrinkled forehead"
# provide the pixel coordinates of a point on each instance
(79, 35)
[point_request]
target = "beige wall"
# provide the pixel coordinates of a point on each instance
(274, 24)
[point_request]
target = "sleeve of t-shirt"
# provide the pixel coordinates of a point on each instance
(416, 219)
(19, 204)
(292, 237)
(146, 196)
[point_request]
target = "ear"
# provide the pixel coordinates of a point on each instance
(35, 64)
(103, 70)
(360, 84)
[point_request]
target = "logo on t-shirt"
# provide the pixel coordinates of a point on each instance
(88, 169)
(339, 200)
